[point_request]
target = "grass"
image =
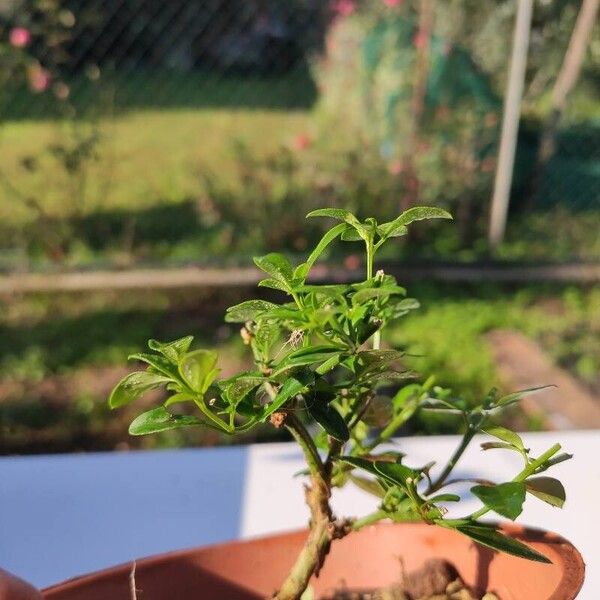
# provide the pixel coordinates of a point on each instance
(148, 157)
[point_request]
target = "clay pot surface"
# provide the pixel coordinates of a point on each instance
(13, 588)
(371, 558)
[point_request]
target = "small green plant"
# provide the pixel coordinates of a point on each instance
(319, 359)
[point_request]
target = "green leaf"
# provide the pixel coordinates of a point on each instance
(391, 229)
(506, 499)
(172, 350)
(236, 389)
(487, 536)
(277, 266)
(350, 235)
(395, 472)
(370, 293)
(445, 498)
(248, 311)
(406, 304)
(133, 386)
(342, 215)
(371, 357)
(368, 485)
(516, 396)
(498, 446)
(360, 463)
(160, 419)
(320, 247)
(329, 419)
(335, 213)
(266, 334)
(329, 364)
(273, 284)
(290, 389)
(179, 397)
(417, 213)
(548, 489)
(198, 369)
(506, 435)
(306, 356)
(159, 363)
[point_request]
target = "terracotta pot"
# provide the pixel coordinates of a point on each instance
(247, 570)
(13, 588)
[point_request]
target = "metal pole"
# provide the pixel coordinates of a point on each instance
(510, 123)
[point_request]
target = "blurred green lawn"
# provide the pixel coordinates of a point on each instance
(147, 157)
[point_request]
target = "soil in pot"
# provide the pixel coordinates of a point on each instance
(435, 580)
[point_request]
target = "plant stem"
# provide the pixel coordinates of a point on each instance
(322, 529)
(439, 482)
(378, 515)
(317, 544)
(370, 256)
(311, 454)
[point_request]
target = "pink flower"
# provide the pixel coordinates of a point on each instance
(19, 37)
(301, 142)
(396, 167)
(39, 79)
(392, 3)
(352, 262)
(420, 40)
(344, 7)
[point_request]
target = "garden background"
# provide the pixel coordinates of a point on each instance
(144, 136)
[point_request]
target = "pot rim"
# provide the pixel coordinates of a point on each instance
(572, 577)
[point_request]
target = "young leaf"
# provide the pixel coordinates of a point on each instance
(277, 266)
(273, 284)
(505, 498)
(487, 536)
(368, 485)
(445, 498)
(516, 396)
(247, 311)
(418, 213)
(236, 389)
(320, 247)
(133, 386)
(198, 369)
(335, 213)
(159, 363)
(361, 463)
(350, 235)
(160, 419)
(329, 419)
(291, 388)
(306, 356)
(548, 489)
(395, 472)
(329, 364)
(370, 293)
(342, 215)
(391, 229)
(506, 435)
(172, 350)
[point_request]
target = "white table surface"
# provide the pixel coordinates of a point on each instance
(65, 515)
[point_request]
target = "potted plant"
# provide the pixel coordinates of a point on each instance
(320, 370)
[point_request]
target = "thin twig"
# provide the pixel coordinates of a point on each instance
(132, 589)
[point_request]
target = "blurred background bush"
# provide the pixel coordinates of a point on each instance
(144, 133)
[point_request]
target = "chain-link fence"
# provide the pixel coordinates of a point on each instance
(374, 105)
(177, 53)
